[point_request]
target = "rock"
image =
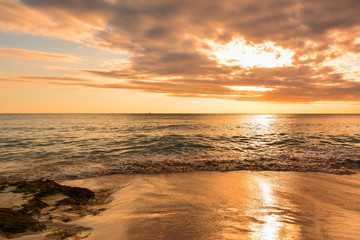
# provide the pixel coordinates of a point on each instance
(13, 221)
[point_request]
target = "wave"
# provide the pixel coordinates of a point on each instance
(92, 167)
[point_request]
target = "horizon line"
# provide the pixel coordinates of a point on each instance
(160, 113)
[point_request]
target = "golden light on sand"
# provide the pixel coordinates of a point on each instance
(241, 52)
(272, 224)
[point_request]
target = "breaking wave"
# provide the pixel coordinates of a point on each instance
(335, 163)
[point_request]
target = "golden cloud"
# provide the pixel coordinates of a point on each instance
(36, 55)
(207, 48)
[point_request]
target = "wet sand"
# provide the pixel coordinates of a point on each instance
(227, 205)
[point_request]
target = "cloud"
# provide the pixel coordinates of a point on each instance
(36, 55)
(55, 23)
(285, 86)
(167, 40)
(51, 78)
(47, 80)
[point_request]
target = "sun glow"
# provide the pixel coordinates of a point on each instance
(241, 52)
(347, 65)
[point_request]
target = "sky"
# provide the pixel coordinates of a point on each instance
(167, 56)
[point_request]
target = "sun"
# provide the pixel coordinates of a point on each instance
(246, 54)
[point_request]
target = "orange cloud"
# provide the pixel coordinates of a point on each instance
(17, 17)
(36, 55)
(170, 39)
(277, 90)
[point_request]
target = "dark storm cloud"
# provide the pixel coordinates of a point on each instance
(165, 39)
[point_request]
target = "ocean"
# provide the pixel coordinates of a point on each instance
(72, 146)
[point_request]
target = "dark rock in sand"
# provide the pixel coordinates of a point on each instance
(12, 221)
(34, 206)
(22, 220)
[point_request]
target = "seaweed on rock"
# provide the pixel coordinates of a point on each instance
(20, 220)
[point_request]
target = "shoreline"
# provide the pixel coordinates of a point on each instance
(222, 205)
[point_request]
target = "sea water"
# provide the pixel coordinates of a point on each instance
(67, 146)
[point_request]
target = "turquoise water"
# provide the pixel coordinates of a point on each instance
(65, 146)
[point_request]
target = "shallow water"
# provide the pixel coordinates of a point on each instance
(66, 146)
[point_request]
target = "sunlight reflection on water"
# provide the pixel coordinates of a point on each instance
(63, 146)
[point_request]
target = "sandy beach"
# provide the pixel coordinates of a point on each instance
(179, 120)
(225, 205)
